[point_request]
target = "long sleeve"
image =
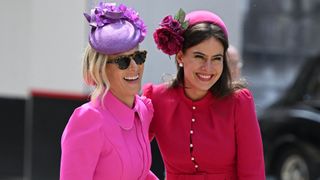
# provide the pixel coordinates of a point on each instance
(250, 162)
(81, 144)
(151, 176)
(147, 92)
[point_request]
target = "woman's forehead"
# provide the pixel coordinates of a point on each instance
(125, 53)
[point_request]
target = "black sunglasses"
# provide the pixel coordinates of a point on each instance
(124, 61)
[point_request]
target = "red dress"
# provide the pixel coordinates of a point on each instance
(211, 139)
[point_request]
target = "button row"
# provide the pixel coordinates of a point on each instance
(195, 165)
(193, 120)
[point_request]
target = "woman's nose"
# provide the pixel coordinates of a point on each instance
(207, 65)
(133, 65)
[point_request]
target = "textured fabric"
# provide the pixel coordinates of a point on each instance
(115, 38)
(212, 139)
(115, 29)
(107, 141)
(200, 16)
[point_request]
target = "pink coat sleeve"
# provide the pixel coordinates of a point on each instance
(250, 162)
(151, 176)
(81, 145)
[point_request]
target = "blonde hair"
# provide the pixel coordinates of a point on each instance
(94, 72)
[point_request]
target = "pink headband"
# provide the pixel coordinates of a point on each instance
(169, 36)
(196, 17)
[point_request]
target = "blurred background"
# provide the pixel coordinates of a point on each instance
(42, 42)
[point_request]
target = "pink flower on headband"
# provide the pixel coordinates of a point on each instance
(168, 36)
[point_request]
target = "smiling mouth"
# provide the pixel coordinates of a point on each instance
(131, 78)
(204, 77)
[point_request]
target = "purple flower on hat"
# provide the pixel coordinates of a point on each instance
(107, 13)
(115, 29)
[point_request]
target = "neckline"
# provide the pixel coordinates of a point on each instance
(120, 111)
(207, 99)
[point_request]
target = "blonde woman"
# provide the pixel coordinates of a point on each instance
(107, 138)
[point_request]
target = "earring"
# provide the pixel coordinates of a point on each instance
(180, 65)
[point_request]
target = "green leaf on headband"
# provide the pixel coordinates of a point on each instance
(185, 24)
(180, 16)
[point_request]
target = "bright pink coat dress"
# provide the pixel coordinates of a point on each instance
(108, 141)
(209, 139)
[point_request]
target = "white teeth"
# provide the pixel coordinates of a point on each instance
(204, 76)
(131, 77)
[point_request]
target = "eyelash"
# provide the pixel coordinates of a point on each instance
(202, 58)
(218, 58)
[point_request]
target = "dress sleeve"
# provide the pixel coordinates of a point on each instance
(151, 176)
(81, 144)
(147, 92)
(250, 162)
(148, 104)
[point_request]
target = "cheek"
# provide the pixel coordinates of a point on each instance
(109, 74)
(218, 68)
(189, 69)
(141, 68)
(113, 75)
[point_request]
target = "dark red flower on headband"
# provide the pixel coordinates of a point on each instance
(166, 21)
(168, 36)
(167, 40)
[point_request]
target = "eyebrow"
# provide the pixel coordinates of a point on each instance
(200, 53)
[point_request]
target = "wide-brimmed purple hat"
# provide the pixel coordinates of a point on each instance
(115, 29)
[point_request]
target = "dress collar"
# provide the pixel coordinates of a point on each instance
(121, 112)
(207, 99)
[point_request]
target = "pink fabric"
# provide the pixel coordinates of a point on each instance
(108, 141)
(200, 16)
(200, 176)
(225, 138)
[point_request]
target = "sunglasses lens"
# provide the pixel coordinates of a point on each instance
(123, 62)
(140, 57)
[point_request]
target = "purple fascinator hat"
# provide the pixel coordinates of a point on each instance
(169, 36)
(114, 29)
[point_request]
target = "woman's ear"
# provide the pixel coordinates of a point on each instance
(179, 57)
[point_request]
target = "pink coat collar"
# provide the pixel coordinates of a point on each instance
(122, 113)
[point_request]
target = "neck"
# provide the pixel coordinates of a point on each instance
(127, 100)
(194, 94)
